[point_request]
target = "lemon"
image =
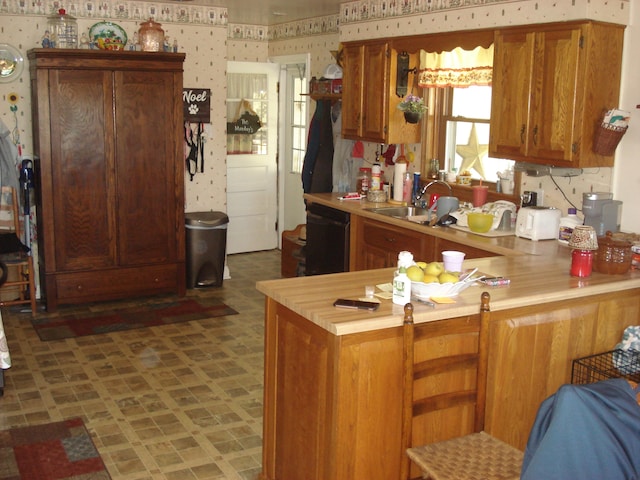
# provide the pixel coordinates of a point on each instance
(422, 265)
(415, 273)
(430, 279)
(434, 268)
(448, 277)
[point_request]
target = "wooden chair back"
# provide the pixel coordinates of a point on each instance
(462, 395)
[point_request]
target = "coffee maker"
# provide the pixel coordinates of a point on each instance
(601, 212)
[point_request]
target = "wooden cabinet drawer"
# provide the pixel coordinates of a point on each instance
(115, 283)
(393, 239)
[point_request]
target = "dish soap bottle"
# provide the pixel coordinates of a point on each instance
(401, 283)
(567, 224)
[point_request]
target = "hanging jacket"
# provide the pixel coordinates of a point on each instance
(318, 159)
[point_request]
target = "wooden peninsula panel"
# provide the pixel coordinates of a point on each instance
(333, 378)
(532, 350)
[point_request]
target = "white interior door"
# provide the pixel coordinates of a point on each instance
(292, 138)
(252, 173)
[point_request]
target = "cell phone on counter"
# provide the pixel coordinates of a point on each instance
(356, 304)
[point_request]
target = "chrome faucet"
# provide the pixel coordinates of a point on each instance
(424, 189)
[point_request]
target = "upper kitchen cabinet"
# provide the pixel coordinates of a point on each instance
(551, 86)
(110, 173)
(369, 100)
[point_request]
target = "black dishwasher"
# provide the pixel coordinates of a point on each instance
(327, 249)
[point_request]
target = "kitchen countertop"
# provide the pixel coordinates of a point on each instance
(534, 280)
(508, 246)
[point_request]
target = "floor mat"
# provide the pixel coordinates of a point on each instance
(115, 317)
(61, 450)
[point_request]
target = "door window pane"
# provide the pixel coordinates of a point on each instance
(247, 93)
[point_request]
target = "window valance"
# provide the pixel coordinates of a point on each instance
(457, 68)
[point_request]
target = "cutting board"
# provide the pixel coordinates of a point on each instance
(490, 233)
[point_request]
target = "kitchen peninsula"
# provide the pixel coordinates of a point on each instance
(333, 377)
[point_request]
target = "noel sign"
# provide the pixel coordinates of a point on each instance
(196, 105)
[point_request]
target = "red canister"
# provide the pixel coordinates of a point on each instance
(581, 263)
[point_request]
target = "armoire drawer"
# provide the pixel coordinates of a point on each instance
(115, 283)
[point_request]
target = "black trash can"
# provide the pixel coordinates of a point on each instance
(206, 246)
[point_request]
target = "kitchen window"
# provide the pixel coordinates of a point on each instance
(457, 87)
(464, 144)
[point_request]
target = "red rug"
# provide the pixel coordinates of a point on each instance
(158, 311)
(55, 451)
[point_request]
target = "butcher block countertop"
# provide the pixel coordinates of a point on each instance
(534, 280)
(509, 246)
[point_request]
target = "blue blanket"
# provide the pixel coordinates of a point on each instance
(586, 432)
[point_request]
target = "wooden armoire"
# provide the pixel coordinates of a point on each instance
(109, 173)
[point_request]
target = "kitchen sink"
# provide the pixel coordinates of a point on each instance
(400, 212)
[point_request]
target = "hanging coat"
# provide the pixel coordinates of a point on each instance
(318, 160)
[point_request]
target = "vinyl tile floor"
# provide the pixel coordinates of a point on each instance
(174, 402)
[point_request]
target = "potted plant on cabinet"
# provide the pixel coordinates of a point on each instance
(413, 108)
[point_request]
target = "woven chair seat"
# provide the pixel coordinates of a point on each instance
(477, 456)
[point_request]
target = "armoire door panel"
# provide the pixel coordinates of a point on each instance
(145, 167)
(81, 168)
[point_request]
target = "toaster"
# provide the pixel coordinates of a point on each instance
(538, 223)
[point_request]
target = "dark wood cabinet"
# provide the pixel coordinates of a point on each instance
(110, 202)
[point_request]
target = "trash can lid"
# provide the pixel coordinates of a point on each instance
(206, 219)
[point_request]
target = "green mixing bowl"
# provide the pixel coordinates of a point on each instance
(479, 222)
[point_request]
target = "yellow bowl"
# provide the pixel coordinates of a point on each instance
(479, 222)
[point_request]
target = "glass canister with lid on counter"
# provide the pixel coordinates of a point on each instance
(63, 30)
(151, 36)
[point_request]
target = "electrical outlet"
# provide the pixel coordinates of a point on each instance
(540, 197)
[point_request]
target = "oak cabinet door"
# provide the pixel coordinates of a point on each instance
(512, 76)
(554, 95)
(352, 89)
(375, 102)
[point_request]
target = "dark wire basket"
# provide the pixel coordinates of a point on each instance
(603, 366)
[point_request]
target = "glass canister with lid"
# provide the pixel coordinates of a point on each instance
(613, 255)
(63, 30)
(151, 36)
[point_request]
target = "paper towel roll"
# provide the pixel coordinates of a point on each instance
(398, 176)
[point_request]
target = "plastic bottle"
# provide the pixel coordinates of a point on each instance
(376, 173)
(363, 181)
(567, 224)
(407, 188)
(401, 283)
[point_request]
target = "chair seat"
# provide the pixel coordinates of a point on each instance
(14, 257)
(477, 456)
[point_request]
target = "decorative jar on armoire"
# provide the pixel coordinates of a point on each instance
(110, 205)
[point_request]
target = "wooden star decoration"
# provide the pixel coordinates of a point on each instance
(472, 153)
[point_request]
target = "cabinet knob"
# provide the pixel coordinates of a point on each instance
(79, 288)
(535, 135)
(390, 239)
(522, 129)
